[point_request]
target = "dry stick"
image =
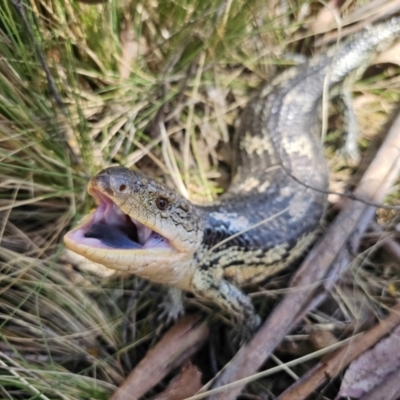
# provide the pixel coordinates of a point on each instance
(372, 12)
(175, 347)
(184, 385)
(330, 366)
(355, 216)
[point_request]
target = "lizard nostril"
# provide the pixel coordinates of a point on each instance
(122, 188)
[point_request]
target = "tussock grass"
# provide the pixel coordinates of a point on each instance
(121, 69)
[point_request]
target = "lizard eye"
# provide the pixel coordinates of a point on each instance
(161, 203)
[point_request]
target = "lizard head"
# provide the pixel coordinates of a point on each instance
(139, 225)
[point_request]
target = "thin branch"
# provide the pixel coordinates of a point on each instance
(330, 366)
(348, 195)
(176, 347)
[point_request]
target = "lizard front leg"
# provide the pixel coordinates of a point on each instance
(208, 284)
(172, 306)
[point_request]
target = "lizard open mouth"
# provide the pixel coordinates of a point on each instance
(109, 227)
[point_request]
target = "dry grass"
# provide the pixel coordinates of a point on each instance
(156, 86)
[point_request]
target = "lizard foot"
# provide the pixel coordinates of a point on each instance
(172, 307)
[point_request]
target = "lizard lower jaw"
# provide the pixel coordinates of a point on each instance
(111, 238)
(110, 229)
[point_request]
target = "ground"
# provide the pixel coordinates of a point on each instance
(157, 86)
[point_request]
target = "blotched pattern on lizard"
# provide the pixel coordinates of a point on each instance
(267, 218)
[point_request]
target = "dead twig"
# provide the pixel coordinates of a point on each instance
(184, 385)
(176, 346)
(331, 365)
(372, 12)
(351, 223)
(348, 195)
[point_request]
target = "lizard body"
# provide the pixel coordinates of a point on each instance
(265, 220)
